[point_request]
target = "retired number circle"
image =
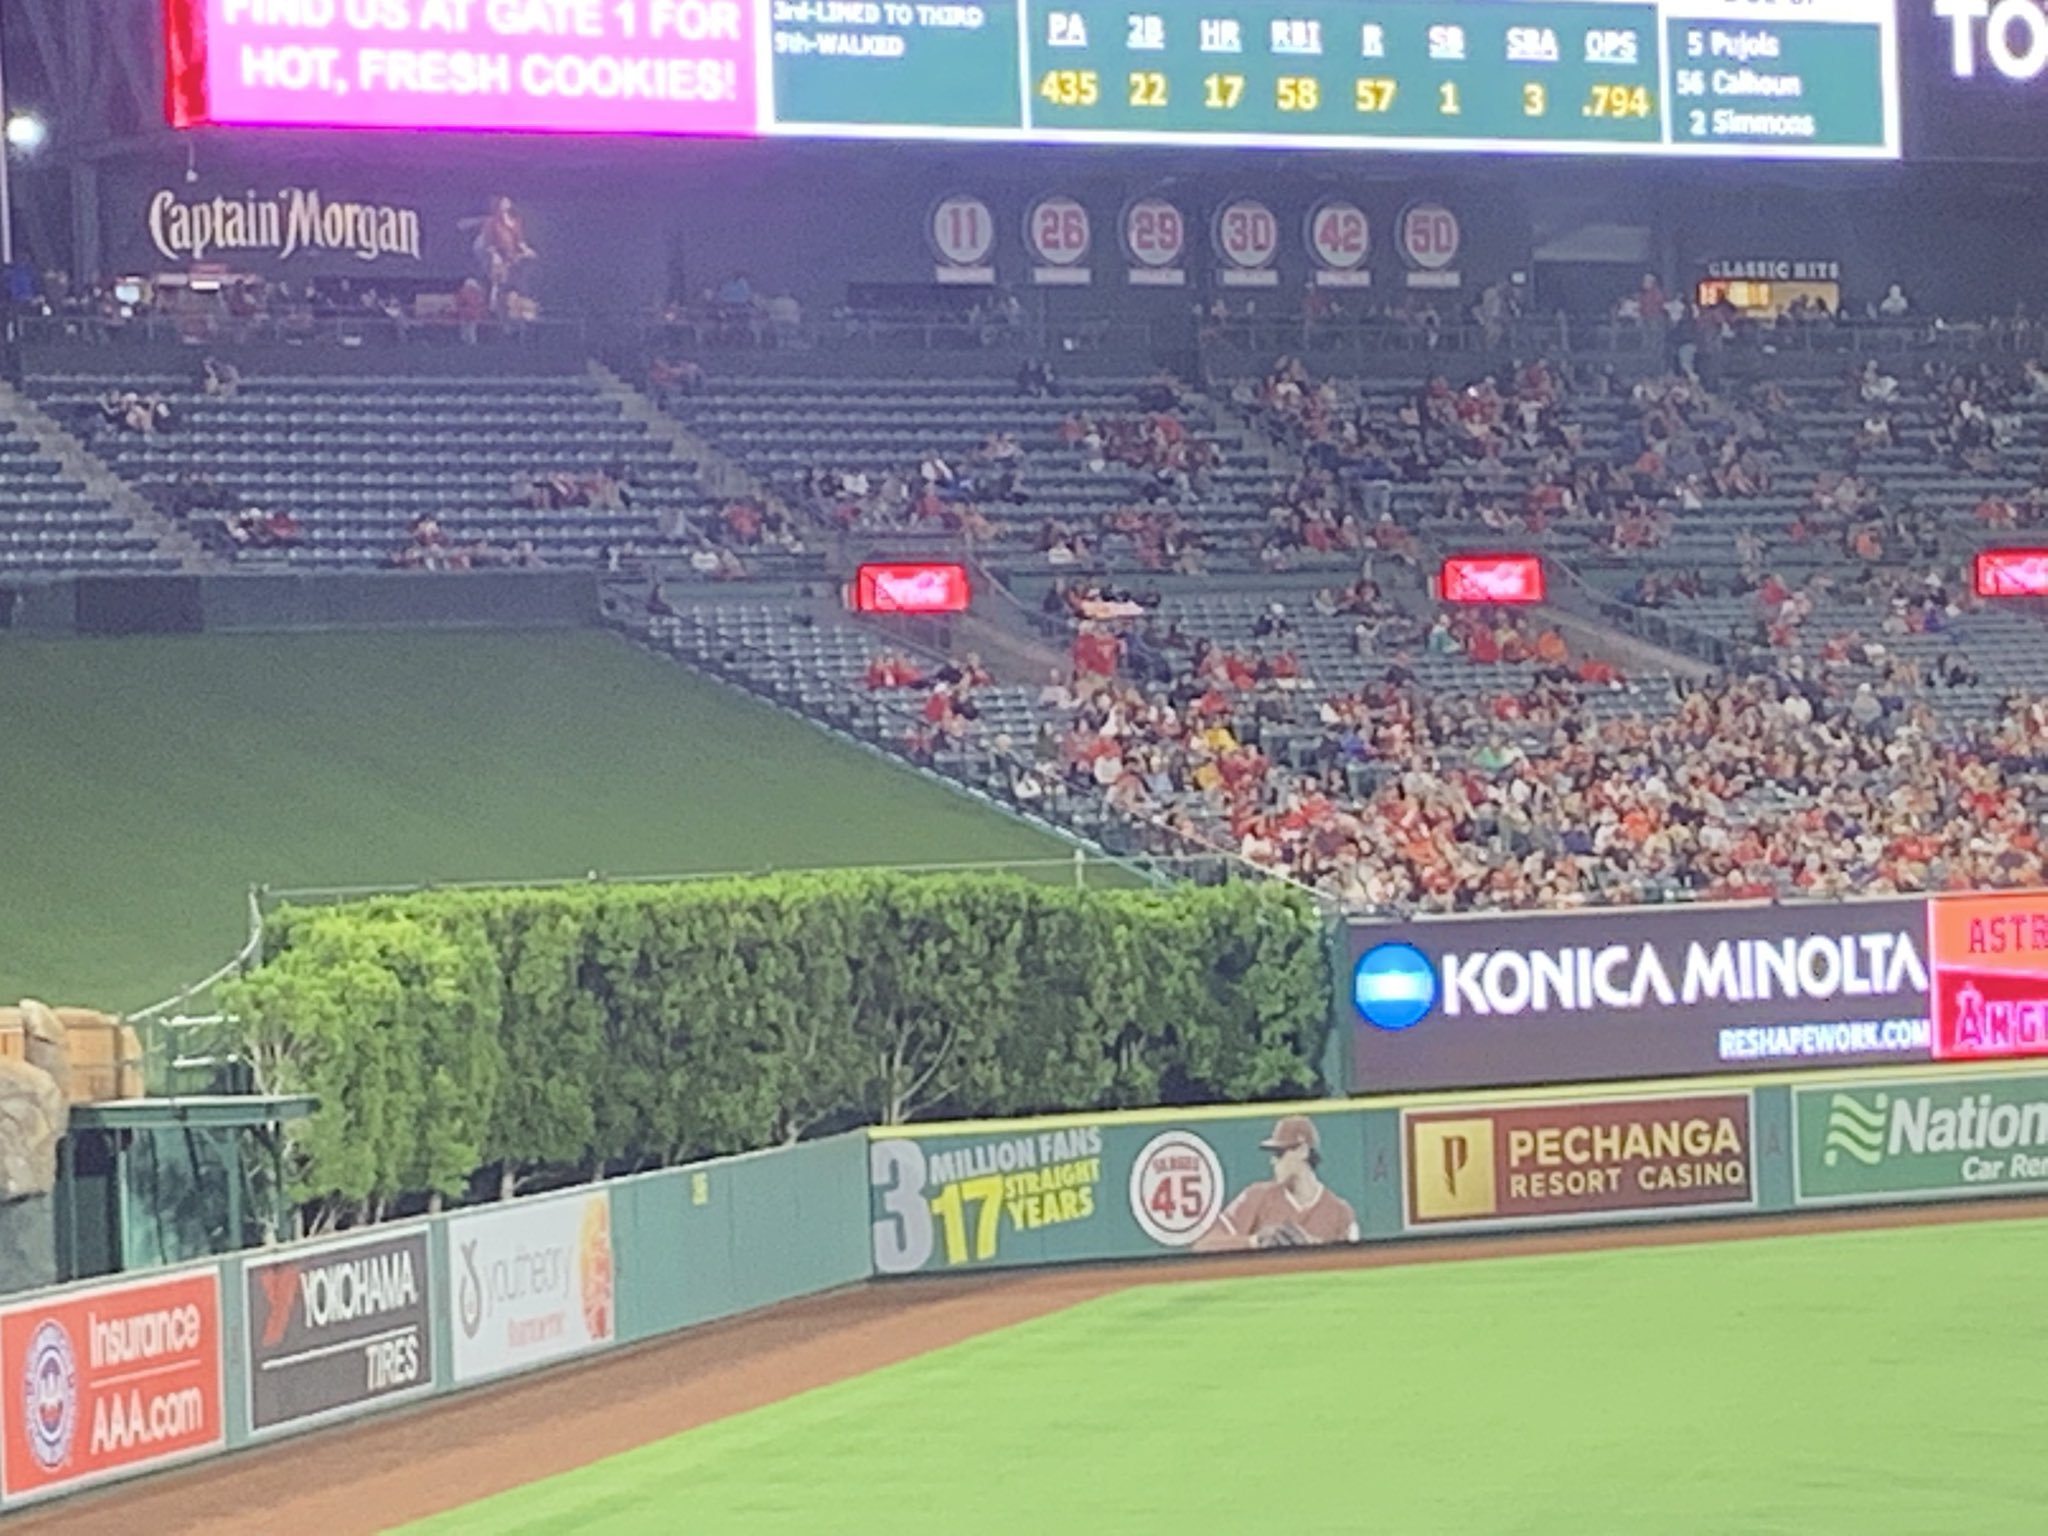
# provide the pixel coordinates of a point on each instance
(1430, 236)
(962, 231)
(1176, 1188)
(1339, 235)
(1059, 231)
(1155, 235)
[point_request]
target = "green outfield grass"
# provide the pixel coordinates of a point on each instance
(1863, 1383)
(146, 783)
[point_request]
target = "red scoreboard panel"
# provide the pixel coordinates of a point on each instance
(1492, 579)
(2012, 573)
(911, 587)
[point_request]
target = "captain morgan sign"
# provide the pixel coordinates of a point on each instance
(1665, 993)
(280, 226)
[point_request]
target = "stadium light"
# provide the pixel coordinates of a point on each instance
(6, 198)
(27, 132)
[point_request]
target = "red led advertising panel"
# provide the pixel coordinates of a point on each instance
(1989, 964)
(1492, 579)
(2012, 573)
(911, 588)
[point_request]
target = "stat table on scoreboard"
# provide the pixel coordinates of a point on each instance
(1789, 78)
(1527, 71)
(1784, 77)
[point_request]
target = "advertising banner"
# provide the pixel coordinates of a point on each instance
(531, 1282)
(290, 220)
(1974, 76)
(1109, 1189)
(1973, 1136)
(338, 1328)
(1990, 967)
(1600, 1160)
(669, 66)
(1665, 992)
(105, 1382)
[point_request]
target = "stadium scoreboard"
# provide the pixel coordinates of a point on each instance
(1779, 78)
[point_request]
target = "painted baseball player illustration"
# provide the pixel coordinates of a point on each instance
(1293, 1209)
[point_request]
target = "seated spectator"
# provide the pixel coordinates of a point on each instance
(1035, 379)
(221, 379)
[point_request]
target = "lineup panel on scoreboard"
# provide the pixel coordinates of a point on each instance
(1759, 77)
(1407, 70)
(1783, 77)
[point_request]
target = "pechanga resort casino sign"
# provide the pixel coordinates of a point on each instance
(293, 222)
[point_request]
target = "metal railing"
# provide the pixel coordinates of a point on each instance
(1227, 344)
(1571, 592)
(343, 328)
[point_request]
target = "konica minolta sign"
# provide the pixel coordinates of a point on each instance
(1677, 991)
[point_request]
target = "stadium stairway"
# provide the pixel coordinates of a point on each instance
(721, 475)
(62, 513)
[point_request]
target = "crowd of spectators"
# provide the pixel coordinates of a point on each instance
(1155, 467)
(429, 547)
(1826, 777)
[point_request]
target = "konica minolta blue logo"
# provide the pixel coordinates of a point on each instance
(1393, 986)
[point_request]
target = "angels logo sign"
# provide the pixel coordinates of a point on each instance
(1176, 1188)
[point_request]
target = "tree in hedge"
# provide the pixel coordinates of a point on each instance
(392, 1022)
(935, 986)
(550, 1030)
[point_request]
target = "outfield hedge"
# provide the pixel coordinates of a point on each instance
(519, 1033)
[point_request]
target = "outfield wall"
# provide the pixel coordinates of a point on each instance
(110, 1380)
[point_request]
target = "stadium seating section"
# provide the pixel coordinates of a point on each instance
(1764, 578)
(52, 525)
(358, 460)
